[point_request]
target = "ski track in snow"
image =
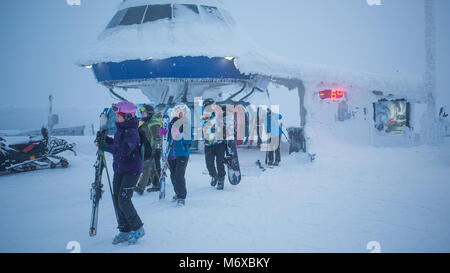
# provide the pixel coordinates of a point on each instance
(350, 196)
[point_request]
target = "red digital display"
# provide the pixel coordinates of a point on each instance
(333, 94)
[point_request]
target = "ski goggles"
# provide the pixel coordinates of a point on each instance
(115, 108)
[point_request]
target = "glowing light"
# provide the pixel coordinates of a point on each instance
(88, 66)
(332, 94)
(229, 58)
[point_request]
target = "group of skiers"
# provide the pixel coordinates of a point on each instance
(137, 150)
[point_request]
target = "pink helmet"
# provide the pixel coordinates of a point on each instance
(125, 107)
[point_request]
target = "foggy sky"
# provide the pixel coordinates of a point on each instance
(42, 40)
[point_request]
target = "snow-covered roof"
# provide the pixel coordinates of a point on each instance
(186, 34)
(331, 76)
(134, 3)
(205, 35)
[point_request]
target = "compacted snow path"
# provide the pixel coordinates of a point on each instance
(350, 196)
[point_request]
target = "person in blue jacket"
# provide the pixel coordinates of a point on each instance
(273, 127)
(178, 159)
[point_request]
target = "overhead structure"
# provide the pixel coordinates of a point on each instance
(171, 50)
(176, 50)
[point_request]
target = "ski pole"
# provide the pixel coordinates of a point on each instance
(286, 137)
(109, 183)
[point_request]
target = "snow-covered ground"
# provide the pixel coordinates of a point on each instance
(350, 196)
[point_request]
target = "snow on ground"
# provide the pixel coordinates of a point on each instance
(351, 195)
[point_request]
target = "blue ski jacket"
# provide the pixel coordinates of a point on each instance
(271, 123)
(178, 148)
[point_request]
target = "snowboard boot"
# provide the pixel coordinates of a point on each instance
(136, 235)
(276, 164)
(180, 202)
(174, 199)
(213, 181)
(221, 183)
(121, 238)
(138, 190)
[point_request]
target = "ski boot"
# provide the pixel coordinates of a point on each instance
(174, 199)
(213, 181)
(221, 183)
(180, 202)
(121, 238)
(276, 163)
(139, 190)
(136, 235)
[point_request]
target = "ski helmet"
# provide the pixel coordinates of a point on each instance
(208, 102)
(147, 108)
(126, 109)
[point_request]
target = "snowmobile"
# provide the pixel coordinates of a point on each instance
(34, 154)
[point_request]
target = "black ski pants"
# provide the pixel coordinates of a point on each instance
(277, 152)
(215, 155)
(157, 158)
(157, 173)
(123, 188)
(177, 175)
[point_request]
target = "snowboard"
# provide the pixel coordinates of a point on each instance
(164, 158)
(232, 161)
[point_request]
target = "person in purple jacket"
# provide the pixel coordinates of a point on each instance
(127, 167)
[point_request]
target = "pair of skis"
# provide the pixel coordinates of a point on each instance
(100, 165)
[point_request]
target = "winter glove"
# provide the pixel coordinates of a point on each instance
(103, 145)
(163, 132)
(97, 137)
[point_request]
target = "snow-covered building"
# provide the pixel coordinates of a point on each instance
(175, 50)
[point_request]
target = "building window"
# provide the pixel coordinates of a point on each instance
(115, 21)
(391, 115)
(133, 16)
(158, 12)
